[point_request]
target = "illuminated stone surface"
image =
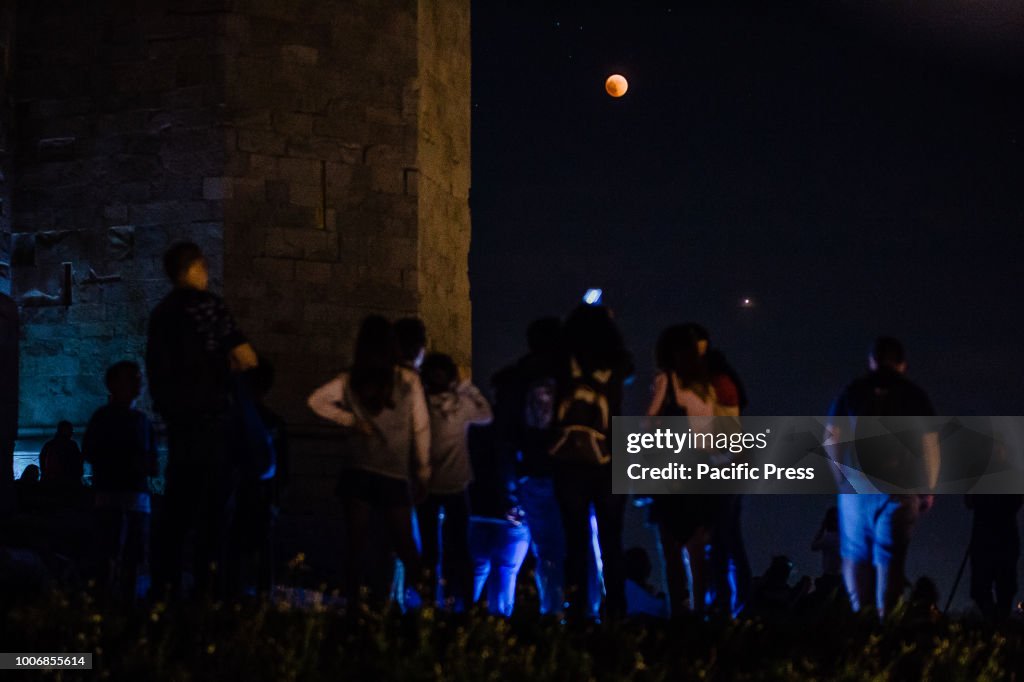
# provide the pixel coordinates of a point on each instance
(317, 151)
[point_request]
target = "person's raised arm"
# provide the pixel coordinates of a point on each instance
(658, 393)
(932, 459)
(931, 456)
(832, 438)
(328, 402)
(420, 431)
(478, 410)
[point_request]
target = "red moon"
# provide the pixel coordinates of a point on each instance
(616, 85)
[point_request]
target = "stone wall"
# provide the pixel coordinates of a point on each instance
(346, 189)
(116, 112)
(318, 151)
(321, 216)
(443, 177)
(7, 15)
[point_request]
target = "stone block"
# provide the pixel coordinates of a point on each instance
(310, 196)
(313, 273)
(300, 171)
(322, 345)
(387, 179)
(263, 166)
(293, 123)
(217, 188)
(387, 115)
(274, 269)
(323, 312)
(85, 312)
(171, 212)
(338, 177)
(56, 148)
(295, 217)
(252, 119)
(261, 142)
(277, 192)
(346, 125)
(300, 54)
(279, 244)
(191, 97)
(115, 213)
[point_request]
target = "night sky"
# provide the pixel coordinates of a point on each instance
(853, 168)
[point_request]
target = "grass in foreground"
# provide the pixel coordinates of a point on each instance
(262, 640)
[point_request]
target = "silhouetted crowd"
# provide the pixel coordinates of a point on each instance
(462, 489)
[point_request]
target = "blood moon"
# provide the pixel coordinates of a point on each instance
(616, 85)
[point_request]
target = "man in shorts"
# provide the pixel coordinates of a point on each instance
(875, 528)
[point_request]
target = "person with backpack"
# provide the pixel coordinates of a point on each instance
(120, 445)
(194, 352)
(444, 515)
(875, 528)
(589, 394)
(382, 406)
(683, 388)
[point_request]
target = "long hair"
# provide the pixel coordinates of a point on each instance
(374, 362)
(718, 365)
(677, 353)
(593, 338)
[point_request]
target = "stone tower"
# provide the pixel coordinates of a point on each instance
(318, 151)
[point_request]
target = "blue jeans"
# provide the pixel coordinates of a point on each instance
(498, 548)
(547, 540)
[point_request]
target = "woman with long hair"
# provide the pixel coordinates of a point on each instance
(683, 387)
(730, 566)
(381, 405)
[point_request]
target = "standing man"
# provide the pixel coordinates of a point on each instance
(875, 528)
(525, 396)
(8, 398)
(193, 347)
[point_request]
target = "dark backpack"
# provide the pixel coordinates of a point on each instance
(583, 420)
